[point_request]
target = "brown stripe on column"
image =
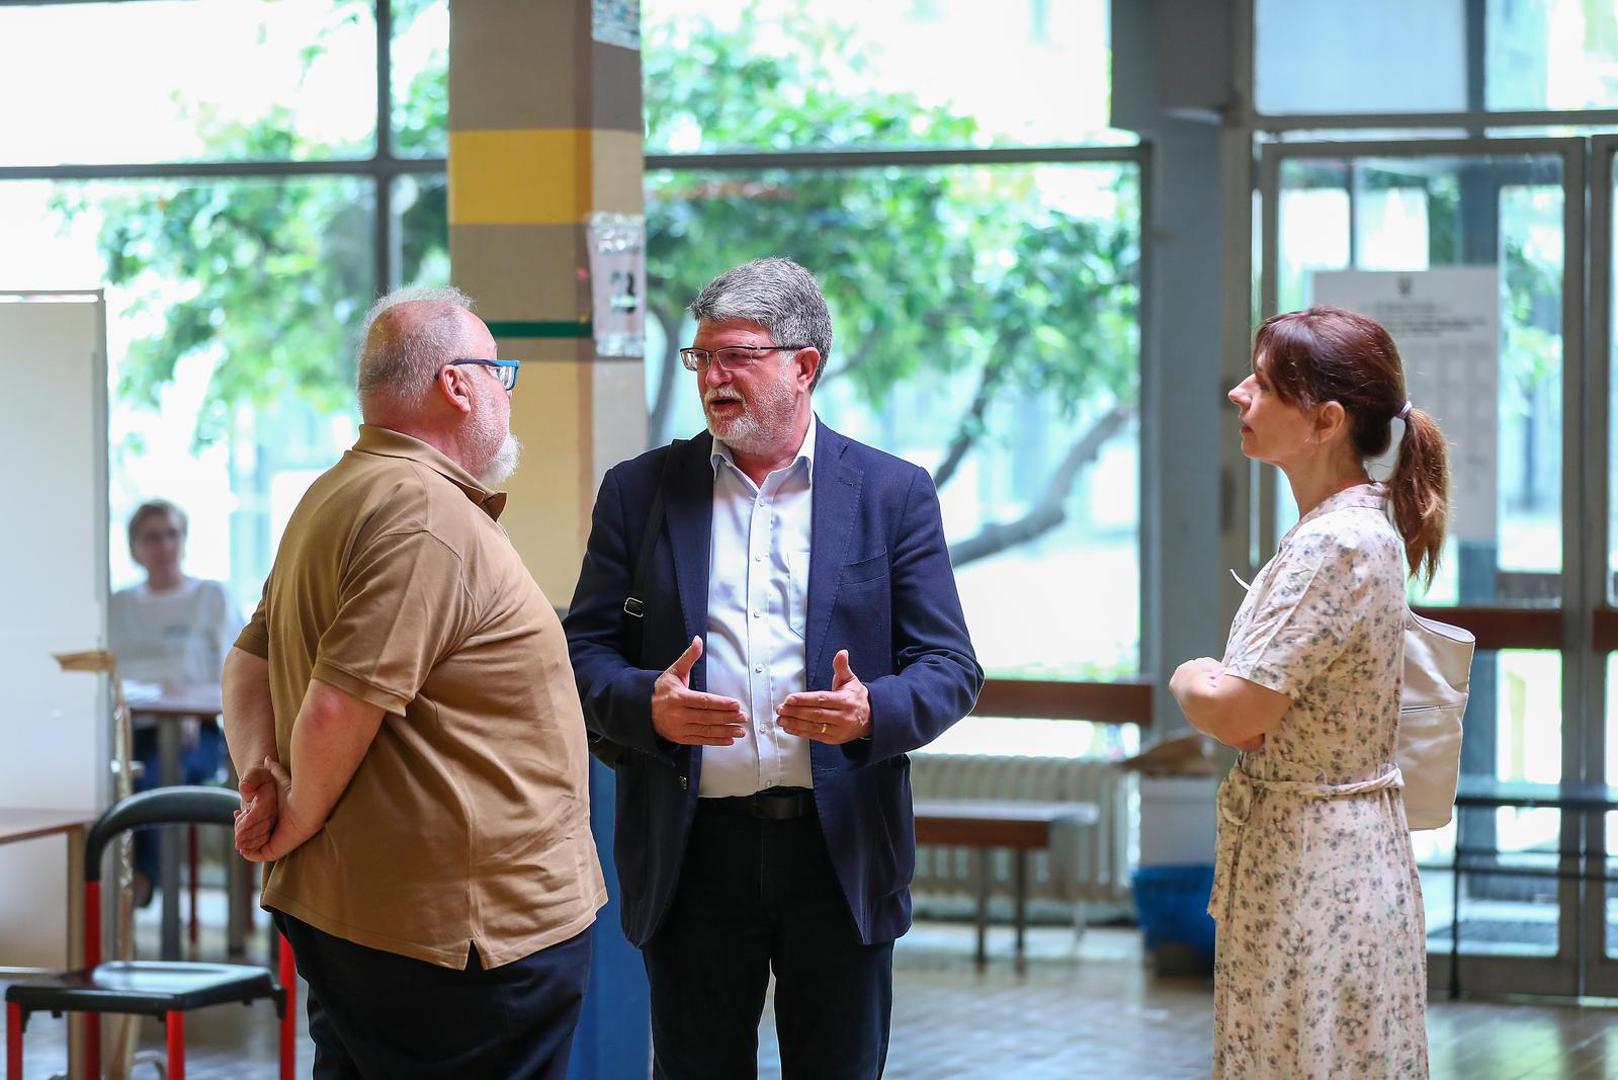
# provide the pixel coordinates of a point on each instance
(615, 90)
(523, 272)
(517, 64)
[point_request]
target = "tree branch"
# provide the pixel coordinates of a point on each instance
(1051, 509)
(971, 425)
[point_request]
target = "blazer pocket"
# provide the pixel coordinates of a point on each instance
(866, 569)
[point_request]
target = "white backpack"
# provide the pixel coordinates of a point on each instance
(1437, 681)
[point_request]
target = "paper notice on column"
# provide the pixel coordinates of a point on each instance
(1446, 323)
(618, 283)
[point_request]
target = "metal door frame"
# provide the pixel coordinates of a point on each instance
(1600, 974)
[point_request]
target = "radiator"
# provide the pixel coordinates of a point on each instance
(1085, 863)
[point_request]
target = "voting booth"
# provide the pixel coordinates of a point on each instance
(55, 726)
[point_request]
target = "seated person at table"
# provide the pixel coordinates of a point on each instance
(172, 632)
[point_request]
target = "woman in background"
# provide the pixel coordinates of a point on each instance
(1321, 967)
(171, 631)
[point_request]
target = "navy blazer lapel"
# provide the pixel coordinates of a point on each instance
(688, 507)
(834, 504)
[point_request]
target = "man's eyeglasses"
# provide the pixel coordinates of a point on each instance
(504, 370)
(731, 357)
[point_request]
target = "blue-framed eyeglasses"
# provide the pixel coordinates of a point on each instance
(504, 370)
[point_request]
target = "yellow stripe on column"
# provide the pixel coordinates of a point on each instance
(532, 177)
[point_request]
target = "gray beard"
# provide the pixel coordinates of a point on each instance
(755, 430)
(504, 462)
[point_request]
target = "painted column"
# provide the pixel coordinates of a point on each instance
(545, 145)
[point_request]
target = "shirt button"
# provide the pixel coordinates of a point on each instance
(755, 615)
(758, 668)
(758, 558)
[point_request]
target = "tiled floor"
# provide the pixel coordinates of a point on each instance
(1090, 1009)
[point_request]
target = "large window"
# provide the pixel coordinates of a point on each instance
(978, 239)
(853, 74)
(241, 204)
(1393, 56)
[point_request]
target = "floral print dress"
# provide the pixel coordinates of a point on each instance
(1322, 959)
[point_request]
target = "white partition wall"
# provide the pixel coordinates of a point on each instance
(54, 730)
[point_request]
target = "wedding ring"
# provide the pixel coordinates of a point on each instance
(823, 729)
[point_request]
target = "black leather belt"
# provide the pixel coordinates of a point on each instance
(771, 804)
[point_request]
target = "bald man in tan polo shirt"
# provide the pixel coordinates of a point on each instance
(402, 712)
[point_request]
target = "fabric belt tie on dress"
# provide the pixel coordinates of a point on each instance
(1235, 802)
(771, 804)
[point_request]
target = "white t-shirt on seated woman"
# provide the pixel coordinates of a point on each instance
(178, 637)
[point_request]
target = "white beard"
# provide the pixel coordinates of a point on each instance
(504, 462)
(757, 427)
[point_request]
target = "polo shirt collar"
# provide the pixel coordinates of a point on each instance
(385, 442)
(806, 452)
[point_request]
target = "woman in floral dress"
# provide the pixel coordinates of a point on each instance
(1321, 968)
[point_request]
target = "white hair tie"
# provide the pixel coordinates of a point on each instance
(1404, 412)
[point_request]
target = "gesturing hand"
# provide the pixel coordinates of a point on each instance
(838, 715)
(690, 717)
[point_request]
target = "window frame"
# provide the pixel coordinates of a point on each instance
(381, 166)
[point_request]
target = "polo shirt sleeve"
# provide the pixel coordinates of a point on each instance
(255, 636)
(403, 604)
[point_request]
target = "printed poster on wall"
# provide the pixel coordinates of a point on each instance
(618, 283)
(1446, 323)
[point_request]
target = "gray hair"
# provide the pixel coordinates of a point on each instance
(777, 294)
(402, 366)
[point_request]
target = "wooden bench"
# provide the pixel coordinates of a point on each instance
(998, 823)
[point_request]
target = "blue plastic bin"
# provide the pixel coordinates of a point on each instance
(1172, 904)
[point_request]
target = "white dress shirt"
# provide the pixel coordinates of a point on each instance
(758, 595)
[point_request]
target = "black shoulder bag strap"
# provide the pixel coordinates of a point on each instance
(608, 751)
(635, 602)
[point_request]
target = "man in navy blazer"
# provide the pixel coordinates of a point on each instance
(793, 632)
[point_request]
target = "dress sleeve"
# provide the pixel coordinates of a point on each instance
(1317, 590)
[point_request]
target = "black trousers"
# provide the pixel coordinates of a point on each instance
(376, 1015)
(755, 897)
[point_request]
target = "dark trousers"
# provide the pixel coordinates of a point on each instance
(376, 1015)
(200, 763)
(754, 897)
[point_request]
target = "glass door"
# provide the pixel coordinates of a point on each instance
(1472, 253)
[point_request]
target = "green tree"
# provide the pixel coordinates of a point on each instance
(950, 273)
(961, 274)
(265, 277)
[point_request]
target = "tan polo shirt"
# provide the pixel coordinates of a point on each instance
(468, 821)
